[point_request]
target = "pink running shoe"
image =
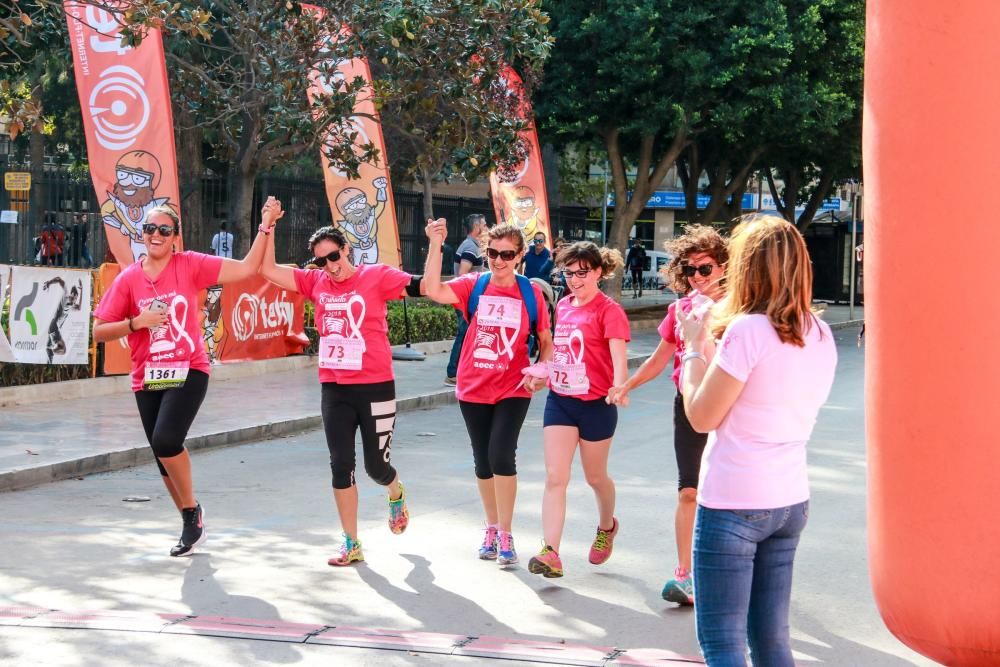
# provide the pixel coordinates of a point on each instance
(547, 563)
(600, 550)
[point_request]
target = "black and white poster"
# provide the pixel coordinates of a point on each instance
(49, 315)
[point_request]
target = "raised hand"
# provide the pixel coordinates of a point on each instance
(271, 212)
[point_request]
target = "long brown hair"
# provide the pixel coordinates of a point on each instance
(769, 272)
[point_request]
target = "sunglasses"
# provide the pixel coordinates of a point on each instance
(579, 273)
(332, 257)
(704, 269)
(150, 228)
(505, 255)
(538, 241)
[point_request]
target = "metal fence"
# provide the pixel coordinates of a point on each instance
(59, 197)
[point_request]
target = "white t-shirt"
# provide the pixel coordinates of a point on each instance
(756, 458)
(222, 244)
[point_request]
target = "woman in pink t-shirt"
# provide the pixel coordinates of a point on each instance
(355, 370)
(492, 390)
(588, 358)
(154, 302)
(698, 264)
(758, 399)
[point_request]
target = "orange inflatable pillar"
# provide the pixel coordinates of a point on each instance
(932, 236)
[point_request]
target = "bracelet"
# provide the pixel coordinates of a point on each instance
(693, 354)
(266, 231)
(130, 328)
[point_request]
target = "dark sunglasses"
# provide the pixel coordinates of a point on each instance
(538, 241)
(150, 228)
(579, 273)
(704, 269)
(505, 255)
(332, 257)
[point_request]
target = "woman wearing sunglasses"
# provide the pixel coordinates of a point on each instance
(700, 256)
(355, 370)
(758, 399)
(493, 391)
(154, 302)
(589, 357)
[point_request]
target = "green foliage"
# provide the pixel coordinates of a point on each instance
(429, 321)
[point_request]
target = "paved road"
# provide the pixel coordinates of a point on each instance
(75, 545)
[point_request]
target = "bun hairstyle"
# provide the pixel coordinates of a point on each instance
(508, 231)
(588, 254)
(696, 240)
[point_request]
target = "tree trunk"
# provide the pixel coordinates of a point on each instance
(240, 210)
(427, 182)
(36, 156)
(190, 170)
(818, 195)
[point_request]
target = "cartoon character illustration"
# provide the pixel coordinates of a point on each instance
(360, 221)
(70, 300)
(212, 326)
(137, 175)
(523, 212)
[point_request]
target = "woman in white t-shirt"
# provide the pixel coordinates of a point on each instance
(757, 397)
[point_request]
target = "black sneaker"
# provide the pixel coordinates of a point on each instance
(193, 532)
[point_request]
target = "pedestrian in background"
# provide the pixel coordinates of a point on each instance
(635, 260)
(537, 261)
(468, 259)
(698, 266)
(757, 396)
(79, 234)
(222, 242)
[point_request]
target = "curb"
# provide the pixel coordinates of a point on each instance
(141, 454)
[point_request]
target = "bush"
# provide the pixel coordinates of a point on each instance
(428, 321)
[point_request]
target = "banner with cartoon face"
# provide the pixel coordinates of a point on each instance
(362, 208)
(50, 315)
(6, 354)
(522, 200)
(125, 99)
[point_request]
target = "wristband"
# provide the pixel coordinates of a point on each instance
(693, 354)
(130, 327)
(266, 231)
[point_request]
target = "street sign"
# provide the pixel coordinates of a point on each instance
(17, 180)
(8, 217)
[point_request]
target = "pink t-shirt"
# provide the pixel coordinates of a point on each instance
(581, 356)
(496, 349)
(354, 310)
(180, 339)
(756, 458)
(668, 332)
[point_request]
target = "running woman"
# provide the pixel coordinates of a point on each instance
(493, 391)
(355, 370)
(700, 256)
(589, 357)
(154, 302)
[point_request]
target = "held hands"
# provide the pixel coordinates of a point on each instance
(270, 213)
(532, 383)
(618, 395)
(437, 230)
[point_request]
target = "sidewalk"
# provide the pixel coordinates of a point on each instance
(98, 430)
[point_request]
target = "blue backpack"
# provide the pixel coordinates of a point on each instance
(530, 304)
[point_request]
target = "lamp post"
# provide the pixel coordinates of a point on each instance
(604, 209)
(856, 198)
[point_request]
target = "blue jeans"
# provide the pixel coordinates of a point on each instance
(456, 348)
(743, 583)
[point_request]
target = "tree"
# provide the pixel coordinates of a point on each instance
(444, 107)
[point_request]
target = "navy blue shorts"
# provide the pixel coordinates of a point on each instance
(596, 420)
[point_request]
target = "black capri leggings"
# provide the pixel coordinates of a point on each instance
(167, 415)
(493, 428)
(345, 408)
(688, 447)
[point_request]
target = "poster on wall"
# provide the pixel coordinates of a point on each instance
(6, 354)
(49, 315)
(253, 319)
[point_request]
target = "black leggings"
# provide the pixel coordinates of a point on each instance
(689, 445)
(372, 407)
(493, 428)
(167, 415)
(636, 279)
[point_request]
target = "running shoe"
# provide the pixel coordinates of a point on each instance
(399, 516)
(600, 550)
(680, 589)
(193, 532)
(451, 380)
(547, 563)
(505, 549)
(350, 552)
(488, 551)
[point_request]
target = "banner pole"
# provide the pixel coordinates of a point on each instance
(407, 353)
